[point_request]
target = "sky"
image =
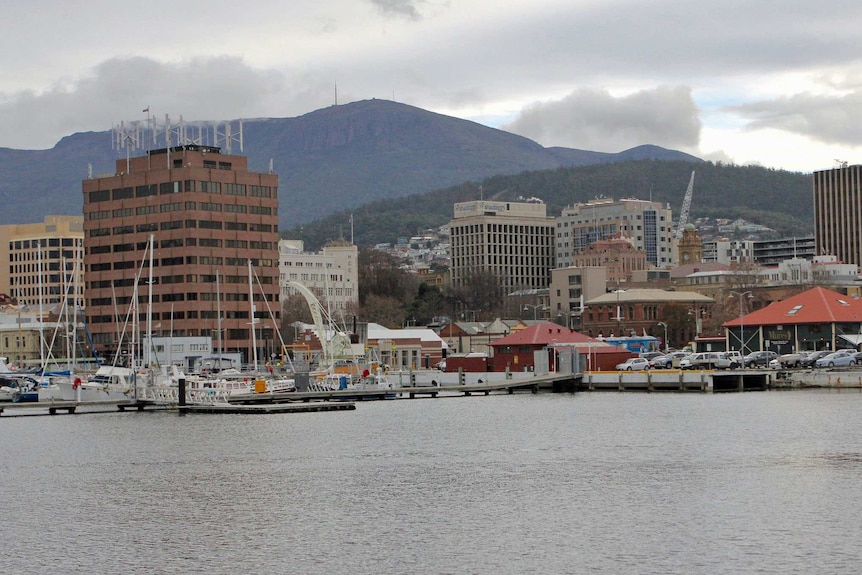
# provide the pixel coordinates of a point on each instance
(763, 82)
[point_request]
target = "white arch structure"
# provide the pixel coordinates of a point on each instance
(336, 344)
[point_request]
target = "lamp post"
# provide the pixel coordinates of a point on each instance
(535, 308)
(740, 296)
(664, 325)
(698, 314)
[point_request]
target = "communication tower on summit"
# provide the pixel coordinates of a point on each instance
(686, 206)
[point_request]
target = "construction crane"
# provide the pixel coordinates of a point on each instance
(686, 206)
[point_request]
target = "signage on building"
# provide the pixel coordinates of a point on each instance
(778, 335)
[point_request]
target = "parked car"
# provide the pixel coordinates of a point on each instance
(792, 359)
(840, 358)
(633, 364)
(669, 360)
(759, 358)
(650, 355)
(808, 360)
(707, 360)
(735, 357)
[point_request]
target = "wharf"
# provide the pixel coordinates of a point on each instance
(532, 384)
(264, 408)
(70, 407)
(703, 381)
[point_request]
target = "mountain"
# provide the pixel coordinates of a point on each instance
(332, 159)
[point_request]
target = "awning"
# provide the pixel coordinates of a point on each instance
(854, 338)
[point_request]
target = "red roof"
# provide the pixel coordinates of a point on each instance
(543, 333)
(817, 305)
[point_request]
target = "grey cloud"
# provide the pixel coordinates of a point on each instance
(407, 8)
(595, 120)
(829, 119)
(117, 90)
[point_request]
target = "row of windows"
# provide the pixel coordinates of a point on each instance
(179, 261)
(179, 224)
(189, 278)
(47, 255)
(189, 296)
(45, 242)
(109, 338)
(178, 243)
(177, 187)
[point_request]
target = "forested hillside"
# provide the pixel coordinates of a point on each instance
(778, 199)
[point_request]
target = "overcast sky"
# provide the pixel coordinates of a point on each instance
(768, 82)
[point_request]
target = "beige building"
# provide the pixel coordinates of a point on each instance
(332, 274)
(512, 240)
(42, 259)
(570, 288)
(647, 224)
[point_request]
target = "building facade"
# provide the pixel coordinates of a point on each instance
(647, 224)
(332, 274)
(618, 256)
(214, 226)
(570, 288)
(773, 252)
(45, 261)
(512, 240)
(838, 213)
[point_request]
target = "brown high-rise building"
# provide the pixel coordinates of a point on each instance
(209, 216)
(838, 213)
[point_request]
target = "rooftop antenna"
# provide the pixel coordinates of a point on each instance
(227, 138)
(336, 93)
(840, 164)
(127, 137)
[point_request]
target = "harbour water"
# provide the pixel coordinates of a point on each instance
(765, 482)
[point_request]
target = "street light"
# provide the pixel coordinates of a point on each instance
(740, 296)
(698, 314)
(664, 325)
(535, 308)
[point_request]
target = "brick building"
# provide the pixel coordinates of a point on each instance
(208, 216)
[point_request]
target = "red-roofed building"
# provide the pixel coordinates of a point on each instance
(815, 319)
(515, 351)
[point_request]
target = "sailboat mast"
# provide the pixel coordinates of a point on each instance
(150, 308)
(218, 320)
(41, 319)
(253, 320)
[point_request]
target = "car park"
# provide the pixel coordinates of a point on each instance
(707, 360)
(759, 358)
(668, 361)
(808, 360)
(840, 358)
(793, 359)
(633, 364)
